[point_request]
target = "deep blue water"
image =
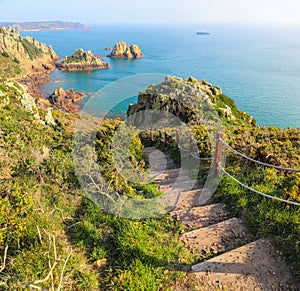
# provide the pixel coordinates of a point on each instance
(259, 67)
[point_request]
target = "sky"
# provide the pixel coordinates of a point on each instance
(153, 11)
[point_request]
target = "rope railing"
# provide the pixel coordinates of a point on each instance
(256, 191)
(201, 159)
(218, 155)
(258, 162)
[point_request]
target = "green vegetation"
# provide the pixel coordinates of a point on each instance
(8, 68)
(47, 222)
(266, 217)
(31, 49)
(80, 56)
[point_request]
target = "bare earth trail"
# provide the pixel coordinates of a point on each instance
(236, 261)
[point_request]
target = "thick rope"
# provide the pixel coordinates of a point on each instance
(201, 159)
(258, 162)
(256, 191)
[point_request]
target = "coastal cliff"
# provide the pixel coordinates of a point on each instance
(122, 50)
(25, 58)
(25, 51)
(82, 61)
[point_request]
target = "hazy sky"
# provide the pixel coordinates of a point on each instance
(153, 11)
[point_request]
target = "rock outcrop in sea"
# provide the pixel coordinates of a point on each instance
(82, 61)
(66, 99)
(122, 50)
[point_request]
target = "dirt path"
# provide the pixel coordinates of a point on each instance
(229, 258)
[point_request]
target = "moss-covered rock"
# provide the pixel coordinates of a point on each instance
(183, 98)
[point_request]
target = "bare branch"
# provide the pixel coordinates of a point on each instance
(39, 233)
(3, 261)
(63, 270)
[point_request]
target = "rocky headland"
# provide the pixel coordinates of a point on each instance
(25, 59)
(181, 97)
(82, 61)
(66, 99)
(122, 50)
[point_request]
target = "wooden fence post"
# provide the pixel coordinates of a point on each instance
(218, 153)
(177, 136)
(151, 135)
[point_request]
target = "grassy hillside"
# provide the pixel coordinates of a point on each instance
(48, 224)
(53, 236)
(8, 67)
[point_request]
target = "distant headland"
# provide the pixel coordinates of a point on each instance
(45, 25)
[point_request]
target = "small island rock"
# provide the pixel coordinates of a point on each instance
(124, 51)
(82, 61)
(65, 99)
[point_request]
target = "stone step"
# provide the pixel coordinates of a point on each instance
(167, 173)
(255, 266)
(182, 186)
(161, 163)
(201, 216)
(168, 181)
(215, 238)
(189, 199)
(148, 150)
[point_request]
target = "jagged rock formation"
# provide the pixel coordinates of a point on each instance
(82, 61)
(183, 98)
(65, 99)
(26, 58)
(23, 50)
(124, 51)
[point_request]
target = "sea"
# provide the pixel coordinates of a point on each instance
(256, 65)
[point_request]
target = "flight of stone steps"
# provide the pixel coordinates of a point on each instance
(229, 258)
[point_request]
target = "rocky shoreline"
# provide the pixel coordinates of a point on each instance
(37, 76)
(66, 99)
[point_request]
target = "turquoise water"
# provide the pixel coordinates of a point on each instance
(259, 67)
